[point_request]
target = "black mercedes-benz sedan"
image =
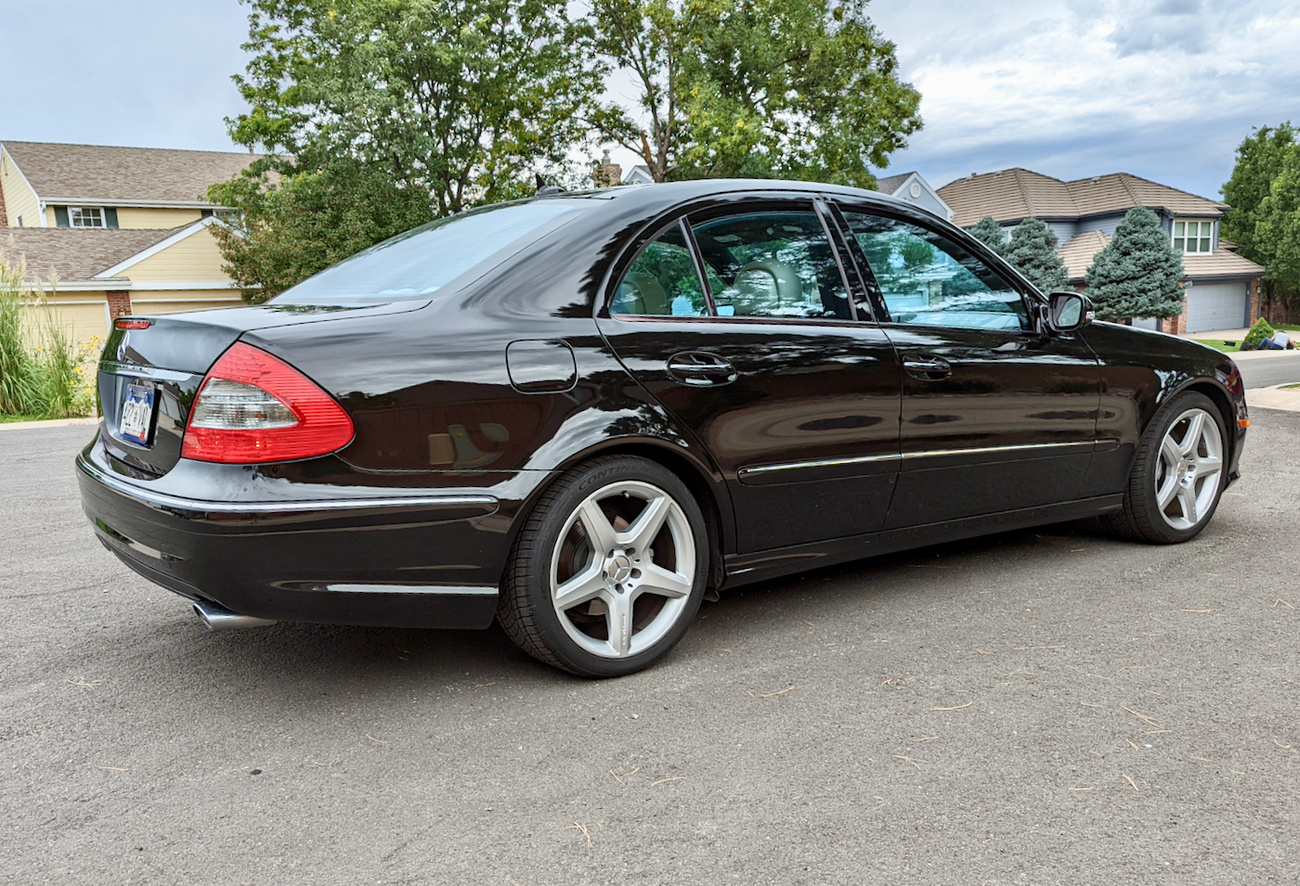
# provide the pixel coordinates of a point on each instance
(582, 414)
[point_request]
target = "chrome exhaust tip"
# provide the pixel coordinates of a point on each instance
(218, 618)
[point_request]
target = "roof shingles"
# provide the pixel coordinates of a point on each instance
(1015, 194)
(138, 175)
(75, 255)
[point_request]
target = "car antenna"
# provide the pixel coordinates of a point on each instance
(545, 190)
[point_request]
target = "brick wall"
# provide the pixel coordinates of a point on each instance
(119, 303)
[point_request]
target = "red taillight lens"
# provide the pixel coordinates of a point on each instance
(254, 408)
(131, 323)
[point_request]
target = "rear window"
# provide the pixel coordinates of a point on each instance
(423, 260)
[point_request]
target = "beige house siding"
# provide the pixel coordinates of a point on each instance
(196, 258)
(82, 315)
(141, 217)
(19, 198)
(145, 304)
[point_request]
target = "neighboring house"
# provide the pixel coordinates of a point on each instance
(638, 175)
(108, 231)
(1223, 287)
(909, 186)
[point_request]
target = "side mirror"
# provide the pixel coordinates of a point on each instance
(1068, 311)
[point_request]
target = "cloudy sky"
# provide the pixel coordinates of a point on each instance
(1164, 89)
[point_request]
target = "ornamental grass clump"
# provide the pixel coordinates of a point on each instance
(19, 382)
(43, 373)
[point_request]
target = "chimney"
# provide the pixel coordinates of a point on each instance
(607, 173)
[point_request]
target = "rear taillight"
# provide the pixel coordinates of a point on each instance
(254, 408)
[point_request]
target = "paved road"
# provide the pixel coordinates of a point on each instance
(1041, 707)
(1275, 369)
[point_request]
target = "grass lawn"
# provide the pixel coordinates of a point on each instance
(6, 417)
(1218, 345)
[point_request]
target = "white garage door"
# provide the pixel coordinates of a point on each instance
(1217, 306)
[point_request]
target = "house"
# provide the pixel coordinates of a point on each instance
(108, 231)
(1222, 286)
(910, 187)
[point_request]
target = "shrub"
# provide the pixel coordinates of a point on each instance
(1260, 331)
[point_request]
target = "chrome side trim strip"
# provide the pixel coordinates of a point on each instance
(487, 503)
(912, 456)
(1019, 447)
(822, 463)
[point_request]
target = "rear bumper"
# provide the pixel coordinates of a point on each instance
(363, 556)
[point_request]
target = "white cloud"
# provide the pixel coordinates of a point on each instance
(1162, 88)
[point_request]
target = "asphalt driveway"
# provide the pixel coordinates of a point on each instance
(1045, 706)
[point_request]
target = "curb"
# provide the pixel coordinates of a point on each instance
(49, 423)
(1275, 397)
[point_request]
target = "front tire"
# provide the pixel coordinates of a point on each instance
(1179, 473)
(608, 570)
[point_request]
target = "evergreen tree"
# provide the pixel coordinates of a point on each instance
(1032, 250)
(990, 233)
(1137, 274)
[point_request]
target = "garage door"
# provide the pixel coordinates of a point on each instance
(1217, 306)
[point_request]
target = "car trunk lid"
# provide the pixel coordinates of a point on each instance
(149, 375)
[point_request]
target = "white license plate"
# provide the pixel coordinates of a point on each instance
(137, 413)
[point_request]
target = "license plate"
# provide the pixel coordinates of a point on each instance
(137, 413)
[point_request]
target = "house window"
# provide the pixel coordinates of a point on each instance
(1193, 238)
(85, 217)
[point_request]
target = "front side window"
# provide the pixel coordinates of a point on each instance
(1193, 237)
(772, 264)
(662, 281)
(927, 280)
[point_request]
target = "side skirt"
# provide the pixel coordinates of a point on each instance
(743, 569)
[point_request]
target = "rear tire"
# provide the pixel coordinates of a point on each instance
(1179, 473)
(608, 570)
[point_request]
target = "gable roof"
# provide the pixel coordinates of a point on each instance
(1011, 195)
(891, 183)
(1079, 250)
(126, 176)
(76, 254)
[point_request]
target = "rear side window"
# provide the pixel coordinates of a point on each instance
(421, 261)
(662, 281)
(772, 264)
(927, 280)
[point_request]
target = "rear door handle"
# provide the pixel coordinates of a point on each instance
(699, 369)
(928, 368)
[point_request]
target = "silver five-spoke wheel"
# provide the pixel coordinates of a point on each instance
(609, 570)
(623, 570)
(1191, 458)
(1179, 472)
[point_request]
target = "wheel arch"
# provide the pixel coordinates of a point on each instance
(1222, 400)
(705, 485)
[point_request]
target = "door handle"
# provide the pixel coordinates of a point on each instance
(700, 369)
(928, 368)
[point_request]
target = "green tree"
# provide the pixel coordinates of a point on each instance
(1277, 228)
(449, 102)
(1137, 274)
(1032, 251)
(307, 217)
(990, 233)
(804, 89)
(1260, 158)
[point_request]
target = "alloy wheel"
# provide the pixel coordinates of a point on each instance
(1191, 460)
(622, 573)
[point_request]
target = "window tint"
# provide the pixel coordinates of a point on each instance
(662, 281)
(425, 259)
(927, 280)
(772, 264)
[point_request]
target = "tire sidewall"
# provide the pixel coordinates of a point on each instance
(553, 516)
(1145, 491)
